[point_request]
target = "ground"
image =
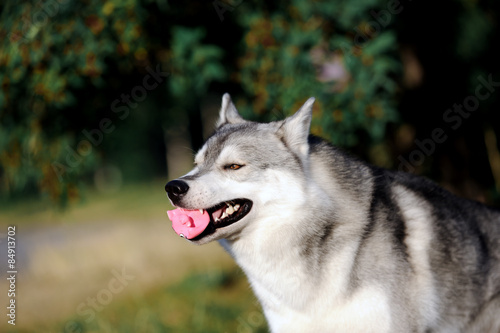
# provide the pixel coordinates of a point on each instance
(113, 264)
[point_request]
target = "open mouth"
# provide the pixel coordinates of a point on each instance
(196, 224)
(225, 214)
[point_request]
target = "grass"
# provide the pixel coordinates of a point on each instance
(204, 302)
(131, 201)
(215, 298)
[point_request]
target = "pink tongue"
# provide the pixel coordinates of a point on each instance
(188, 223)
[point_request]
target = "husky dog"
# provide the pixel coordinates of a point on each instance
(331, 244)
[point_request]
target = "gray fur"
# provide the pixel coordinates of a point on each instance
(332, 244)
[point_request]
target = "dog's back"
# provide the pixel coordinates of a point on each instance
(464, 256)
(442, 267)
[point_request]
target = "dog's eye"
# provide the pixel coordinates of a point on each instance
(233, 166)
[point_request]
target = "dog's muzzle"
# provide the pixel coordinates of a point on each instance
(176, 189)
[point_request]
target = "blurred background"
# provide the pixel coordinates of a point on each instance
(102, 102)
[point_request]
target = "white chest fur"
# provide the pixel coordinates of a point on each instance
(365, 311)
(294, 299)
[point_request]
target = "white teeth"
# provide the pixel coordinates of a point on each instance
(201, 211)
(230, 209)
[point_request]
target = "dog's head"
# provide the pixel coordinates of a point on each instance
(246, 173)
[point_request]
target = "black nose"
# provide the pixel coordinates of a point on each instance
(176, 189)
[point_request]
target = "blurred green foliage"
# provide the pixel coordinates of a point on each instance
(193, 64)
(64, 62)
(61, 65)
(304, 50)
(49, 51)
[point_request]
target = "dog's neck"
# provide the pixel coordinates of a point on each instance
(283, 255)
(283, 266)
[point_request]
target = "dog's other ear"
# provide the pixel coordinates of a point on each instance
(228, 113)
(295, 129)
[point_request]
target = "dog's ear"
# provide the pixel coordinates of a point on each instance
(228, 113)
(295, 129)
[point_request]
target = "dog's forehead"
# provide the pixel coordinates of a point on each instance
(248, 136)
